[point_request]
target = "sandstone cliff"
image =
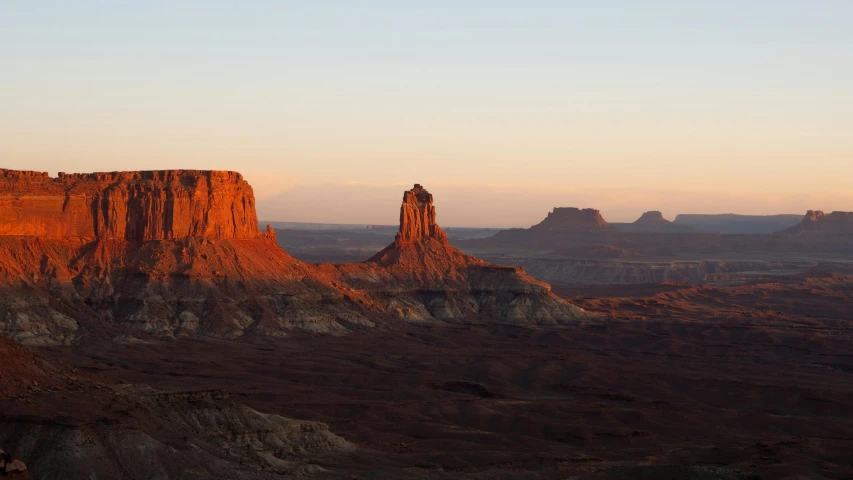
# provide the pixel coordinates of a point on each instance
(417, 217)
(154, 205)
(165, 252)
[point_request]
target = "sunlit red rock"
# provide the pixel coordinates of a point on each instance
(148, 205)
(417, 217)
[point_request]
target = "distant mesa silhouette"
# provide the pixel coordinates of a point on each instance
(816, 221)
(652, 218)
(573, 219)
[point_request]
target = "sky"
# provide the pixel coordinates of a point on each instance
(502, 109)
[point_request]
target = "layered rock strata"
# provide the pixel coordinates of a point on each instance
(417, 217)
(179, 253)
(141, 206)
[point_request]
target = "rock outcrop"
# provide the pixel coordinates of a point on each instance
(417, 217)
(573, 220)
(835, 223)
(652, 218)
(165, 252)
(421, 277)
(141, 206)
(67, 424)
(12, 469)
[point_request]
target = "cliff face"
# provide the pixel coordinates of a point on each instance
(164, 252)
(573, 219)
(153, 205)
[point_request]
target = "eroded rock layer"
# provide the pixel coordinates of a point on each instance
(153, 205)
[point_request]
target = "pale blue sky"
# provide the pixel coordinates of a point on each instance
(502, 109)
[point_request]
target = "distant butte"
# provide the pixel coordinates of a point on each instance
(652, 218)
(573, 219)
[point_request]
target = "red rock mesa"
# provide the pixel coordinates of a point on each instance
(154, 205)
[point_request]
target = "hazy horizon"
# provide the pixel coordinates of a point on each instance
(503, 110)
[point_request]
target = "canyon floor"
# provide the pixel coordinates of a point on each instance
(752, 378)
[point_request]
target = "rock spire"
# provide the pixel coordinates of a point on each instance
(417, 217)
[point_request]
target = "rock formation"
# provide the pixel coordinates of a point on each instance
(422, 277)
(13, 469)
(164, 252)
(835, 223)
(573, 219)
(154, 205)
(179, 253)
(651, 222)
(417, 217)
(652, 218)
(71, 425)
(562, 227)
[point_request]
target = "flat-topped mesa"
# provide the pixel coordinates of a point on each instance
(829, 223)
(573, 219)
(146, 205)
(653, 217)
(417, 218)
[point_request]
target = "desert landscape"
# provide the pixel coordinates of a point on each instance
(165, 335)
(444, 240)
